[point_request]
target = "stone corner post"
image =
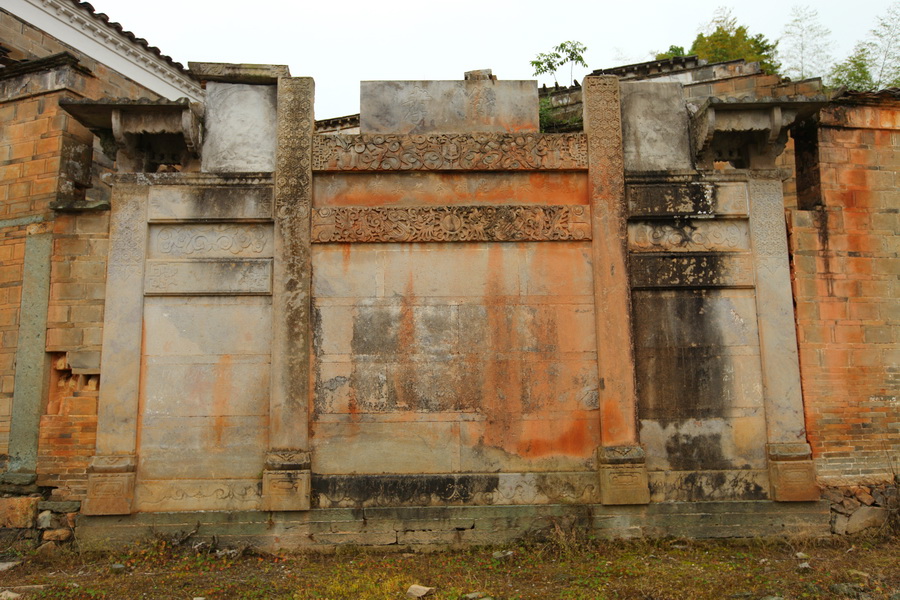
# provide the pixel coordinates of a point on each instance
(286, 478)
(621, 459)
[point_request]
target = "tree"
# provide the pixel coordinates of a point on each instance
(566, 53)
(853, 73)
(884, 49)
(672, 52)
(726, 40)
(806, 44)
(874, 63)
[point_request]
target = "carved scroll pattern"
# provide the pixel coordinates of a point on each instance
(689, 236)
(452, 224)
(189, 240)
(189, 492)
(447, 152)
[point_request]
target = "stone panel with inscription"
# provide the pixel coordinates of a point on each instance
(199, 277)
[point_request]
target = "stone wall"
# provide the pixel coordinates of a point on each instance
(844, 228)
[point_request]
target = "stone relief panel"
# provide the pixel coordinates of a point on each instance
(233, 277)
(690, 235)
(451, 224)
(447, 152)
(211, 241)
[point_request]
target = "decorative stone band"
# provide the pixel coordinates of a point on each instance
(450, 152)
(691, 270)
(452, 224)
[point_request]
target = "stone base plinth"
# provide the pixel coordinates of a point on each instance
(286, 490)
(109, 494)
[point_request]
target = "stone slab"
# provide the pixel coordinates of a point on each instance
(687, 199)
(708, 486)
(691, 271)
(493, 524)
(198, 495)
(689, 235)
(207, 325)
(448, 106)
(202, 203)
(232, 277)
(655, 126)
(360, 491)
(202, 447)
(712, 443)
(238, 72)
(239, 128)
(32, 362)
(233, 385)
(198, 241)
(418, 188)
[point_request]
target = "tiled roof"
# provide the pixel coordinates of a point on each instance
(103, 18)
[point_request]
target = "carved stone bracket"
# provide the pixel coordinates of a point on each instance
(750, 134)
(623, 475)
(111, 482)
(142, 135)
(450, 152)
(452, 224)
(792, 473)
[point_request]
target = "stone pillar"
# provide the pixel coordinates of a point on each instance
(623, 473)
(32, 362)
(791, 471)
(111, 476)
(286, 478)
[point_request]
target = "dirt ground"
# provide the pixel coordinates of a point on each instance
(566, 567)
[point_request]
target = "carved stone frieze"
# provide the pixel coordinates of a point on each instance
(451, 224)
(688, 236)
(188, 495)
(211, 240)
(448, 152)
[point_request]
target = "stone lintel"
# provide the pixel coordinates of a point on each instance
(789, 452)
(123, 463)
(238, 73)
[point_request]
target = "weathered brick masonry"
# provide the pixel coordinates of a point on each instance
(50, 187)
(844, 226)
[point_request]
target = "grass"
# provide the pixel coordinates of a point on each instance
(565, 568)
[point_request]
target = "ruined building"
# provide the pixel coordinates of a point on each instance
(677, 317)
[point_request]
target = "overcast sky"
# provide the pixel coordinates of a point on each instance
(343, 42)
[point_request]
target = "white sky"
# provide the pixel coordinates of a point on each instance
(343, 42)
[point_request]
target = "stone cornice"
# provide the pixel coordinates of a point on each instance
(75, 24)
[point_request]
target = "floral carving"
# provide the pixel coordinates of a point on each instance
(451, 224)
(447, 152)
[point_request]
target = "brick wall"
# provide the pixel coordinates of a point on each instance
(844, 243)
(45, 158)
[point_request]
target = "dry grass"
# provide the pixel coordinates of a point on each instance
(568, 567)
